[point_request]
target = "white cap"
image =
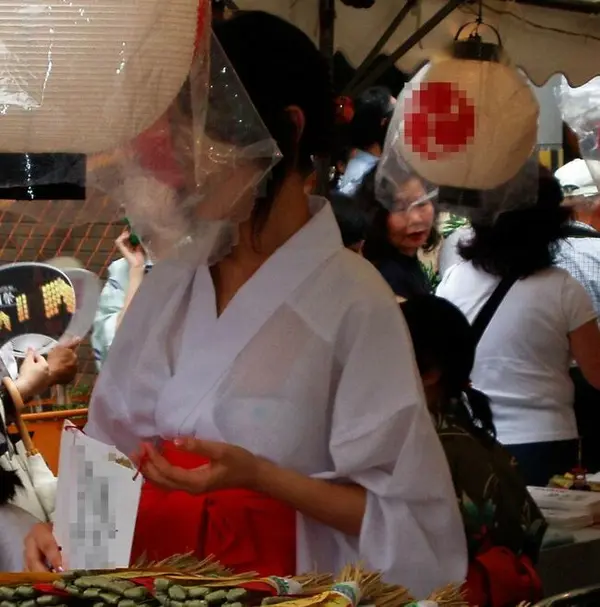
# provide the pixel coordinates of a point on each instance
(576, 178)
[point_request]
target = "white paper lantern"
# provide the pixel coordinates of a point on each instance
(468, 123)
(87, 75)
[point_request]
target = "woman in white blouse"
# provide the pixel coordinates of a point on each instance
(545, 320)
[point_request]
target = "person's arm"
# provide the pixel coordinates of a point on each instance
(124, 278)
(582, 326)
(585, 347)
(136, 261)
(341, 506)
(110, 303)
(136, 275)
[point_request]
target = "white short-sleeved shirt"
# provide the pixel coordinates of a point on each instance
(523, 358)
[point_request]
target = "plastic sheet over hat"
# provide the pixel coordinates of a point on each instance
(485, 206)
(190, 173)
(580, 109)
(397, 185)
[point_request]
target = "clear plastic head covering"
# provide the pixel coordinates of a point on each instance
(580, 109)
(397, 185)
(432, 107)
(152, 124)
(485, 206)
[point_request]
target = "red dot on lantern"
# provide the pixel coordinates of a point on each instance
(440, 120)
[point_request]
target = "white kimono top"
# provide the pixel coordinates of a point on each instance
(310, 366)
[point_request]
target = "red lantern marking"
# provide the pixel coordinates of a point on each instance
(440, 119)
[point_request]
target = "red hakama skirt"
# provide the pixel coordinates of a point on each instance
(244, 530)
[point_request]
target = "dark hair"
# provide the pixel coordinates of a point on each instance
(280, 67)
(521, 242)
(9, 483)
(377, 245)
(373, 109)
(351, 218)
(443, 340)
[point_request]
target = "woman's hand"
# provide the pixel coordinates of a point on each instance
(42, 553)
(230, 467)
(34, 376)
(337, 505)
(134, 255)
(63, 362)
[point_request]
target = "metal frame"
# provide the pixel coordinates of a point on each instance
(365, 77)
(568, 596)
(363, 68)
(574, 6)
(371, 76)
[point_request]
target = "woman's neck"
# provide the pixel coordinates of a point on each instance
(408, 251)
(289, 213)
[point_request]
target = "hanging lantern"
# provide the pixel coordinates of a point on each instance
(83, 77)
(469, 120)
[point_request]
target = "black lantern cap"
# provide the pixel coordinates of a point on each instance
(473, 47)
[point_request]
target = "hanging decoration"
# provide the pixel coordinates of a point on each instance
(470, 119)
(128, 108)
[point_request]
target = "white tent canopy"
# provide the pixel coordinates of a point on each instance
(541, 40)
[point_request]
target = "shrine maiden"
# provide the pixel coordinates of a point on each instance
(291, 365)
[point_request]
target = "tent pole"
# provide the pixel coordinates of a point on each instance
(366, 64)
(410, 42)
(327, 47)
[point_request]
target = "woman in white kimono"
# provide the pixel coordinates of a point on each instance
(291, 369)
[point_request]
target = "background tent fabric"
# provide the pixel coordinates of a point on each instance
(539, 39)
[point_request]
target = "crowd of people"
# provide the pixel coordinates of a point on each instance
(311, 400)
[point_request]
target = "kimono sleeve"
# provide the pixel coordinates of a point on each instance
(108, 417)
(383, 439)
(110, 304)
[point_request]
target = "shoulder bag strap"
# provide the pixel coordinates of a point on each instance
(483, 319)
(581, 232)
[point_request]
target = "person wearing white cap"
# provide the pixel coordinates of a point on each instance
(579, 253)
(576, 178)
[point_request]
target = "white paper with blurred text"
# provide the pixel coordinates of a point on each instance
(96, 503)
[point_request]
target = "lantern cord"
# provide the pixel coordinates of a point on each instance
(533, 24)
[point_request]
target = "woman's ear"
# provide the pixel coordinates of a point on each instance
(297, 118)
